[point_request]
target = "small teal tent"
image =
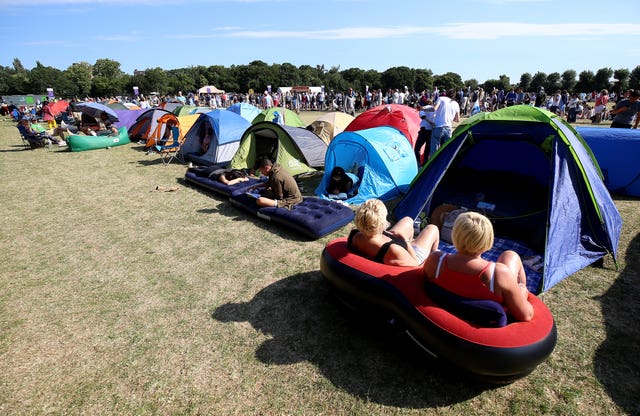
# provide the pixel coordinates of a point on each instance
(228, 127)
(246, 110)
(381, 158)
(532, 174)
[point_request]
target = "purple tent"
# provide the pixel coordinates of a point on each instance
(127, 117)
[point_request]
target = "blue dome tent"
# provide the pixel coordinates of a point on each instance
(246, 110)
(616, 151)
(532, 174)
(380, 157)
(228, 128)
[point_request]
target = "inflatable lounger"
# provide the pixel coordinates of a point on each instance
(313, 217)
(79, 143)
(467, 333)
(217, 186)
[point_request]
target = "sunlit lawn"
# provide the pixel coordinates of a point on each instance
(118, 299)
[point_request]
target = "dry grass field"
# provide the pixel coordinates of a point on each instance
(116, 299)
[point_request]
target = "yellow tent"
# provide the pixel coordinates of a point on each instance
(330, 125)
(186, 122)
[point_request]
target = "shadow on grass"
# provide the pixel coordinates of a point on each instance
(153, 160)
(616, 360)
(227, 209)
(17, 148)
(366, 359)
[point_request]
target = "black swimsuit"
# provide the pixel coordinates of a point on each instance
(385, 247)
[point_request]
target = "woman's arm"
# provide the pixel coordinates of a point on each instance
(514, 295)
(398, 256)
(232, 181)
(431, 264)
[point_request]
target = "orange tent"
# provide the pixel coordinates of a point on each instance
(162, 125)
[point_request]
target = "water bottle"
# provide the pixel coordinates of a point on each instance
(417, 226)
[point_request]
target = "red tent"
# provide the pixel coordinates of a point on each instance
(402, 117)
(58, 107)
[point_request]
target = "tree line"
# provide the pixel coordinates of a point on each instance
(105, 78)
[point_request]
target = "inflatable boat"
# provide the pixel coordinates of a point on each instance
(401, 295)
(78, 143)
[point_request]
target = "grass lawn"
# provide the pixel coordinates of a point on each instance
(118, 299)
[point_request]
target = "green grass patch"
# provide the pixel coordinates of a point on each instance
(116, 299)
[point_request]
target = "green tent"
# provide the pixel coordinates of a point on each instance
(279, 115)
(297, 149)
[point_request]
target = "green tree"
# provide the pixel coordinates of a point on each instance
(634, 78)
(4, 78)
(108, 78)
(569, 80)
(585, 82)
(471, 84)
(538, 80)
(398, 77)
(424, 80)
(310, 75)
(503, 83)
(180, 80)
(553, 82)
(622, 80)
(355, 78)
(525, 81)
(156, 80)
(257, 76)
(80, 73)
(18, 79)
(448, 80)
(333, 80)
(41, 78)
(17, 65)
(373, 79)
(218, 75)
(287, 75)
(602, 77)
(197, 74)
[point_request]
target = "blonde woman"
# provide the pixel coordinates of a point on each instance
(467, 274)
(394, 246)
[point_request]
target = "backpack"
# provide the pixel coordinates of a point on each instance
(447, 224)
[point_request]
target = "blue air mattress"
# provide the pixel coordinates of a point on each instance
(313, 217)
(616, 151)
(217, 186)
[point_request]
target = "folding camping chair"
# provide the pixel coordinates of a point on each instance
(34, 141)
(25, 143)
(171, 151)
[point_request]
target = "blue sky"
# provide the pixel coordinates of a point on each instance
(479, 39)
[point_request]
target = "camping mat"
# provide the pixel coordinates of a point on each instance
(217, 186)
(528, 256)
(313, 217)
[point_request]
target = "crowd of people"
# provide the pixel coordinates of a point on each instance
(440, 109)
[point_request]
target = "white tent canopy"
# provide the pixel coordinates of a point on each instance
(313, 90)
(210, 89)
